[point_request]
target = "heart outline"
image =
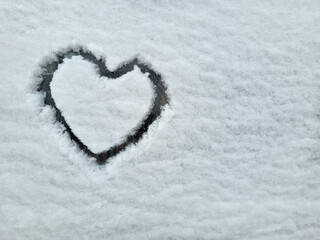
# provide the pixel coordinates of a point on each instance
(160, 99)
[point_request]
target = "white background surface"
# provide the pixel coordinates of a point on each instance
(238, 160)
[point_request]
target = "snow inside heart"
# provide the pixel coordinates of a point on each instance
(102, 111)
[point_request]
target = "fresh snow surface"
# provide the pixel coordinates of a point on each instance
(118, 105)
(236, 155)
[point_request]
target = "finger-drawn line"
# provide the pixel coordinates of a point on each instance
(160, 99)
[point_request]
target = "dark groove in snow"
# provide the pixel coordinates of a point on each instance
(160, 100)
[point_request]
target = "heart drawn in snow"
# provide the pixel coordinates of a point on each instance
(160, 98)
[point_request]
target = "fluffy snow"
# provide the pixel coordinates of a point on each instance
(118, 105)
(237, 155)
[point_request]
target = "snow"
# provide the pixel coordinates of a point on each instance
(117, 104)
(235, 156)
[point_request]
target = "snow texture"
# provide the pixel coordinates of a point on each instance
(118, 105)
(235, 156)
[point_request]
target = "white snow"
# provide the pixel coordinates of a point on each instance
(118, 105)
(235, 157)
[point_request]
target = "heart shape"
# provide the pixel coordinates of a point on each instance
(160, 99)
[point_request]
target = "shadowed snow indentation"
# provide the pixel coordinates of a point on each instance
(160, 99)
